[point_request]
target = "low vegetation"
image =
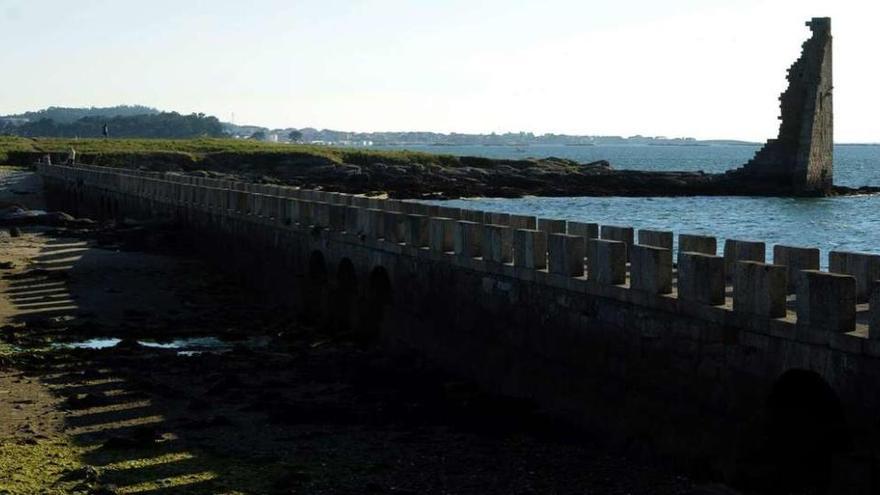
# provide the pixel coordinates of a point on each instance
(18, 148)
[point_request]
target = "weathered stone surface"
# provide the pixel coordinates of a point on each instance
(651, 269)
(874, 313)
(525, 222)
(530, 248)
(607, 265)
(475, 216)
(393, 227)
(352, 218)
(551, 226)
(799, 160)
(693, 243)
(736, 250)
(826, 301)
(449, 212)
(626, 235)
(496, 218)
(864, 267)
(440, 235)
(566, 254)
(701, 278)
(337, 215)
(415, 231)
(321, 214)
(657, 238)
(759, 289)
(467, 239)
(497, 243)
(585, 230)
(795, 259)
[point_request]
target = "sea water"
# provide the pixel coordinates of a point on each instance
(843, 223)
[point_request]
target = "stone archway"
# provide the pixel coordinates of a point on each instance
(803, 429)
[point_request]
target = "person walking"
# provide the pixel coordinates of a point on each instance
(71, 156)
(106, 130)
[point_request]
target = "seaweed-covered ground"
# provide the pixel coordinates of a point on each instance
(128, 367)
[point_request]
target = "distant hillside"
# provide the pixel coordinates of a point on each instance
(67, 115)
(157, 125)
(139, 121)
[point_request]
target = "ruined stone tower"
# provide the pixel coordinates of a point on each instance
(799, 160)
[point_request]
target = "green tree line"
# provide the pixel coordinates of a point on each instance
(160, 125)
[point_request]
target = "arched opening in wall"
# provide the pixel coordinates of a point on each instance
(374, 305)
(315, 287)
(342, 297)
(805, 429)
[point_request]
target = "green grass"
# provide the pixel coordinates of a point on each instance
(26, 469)
(197, 149)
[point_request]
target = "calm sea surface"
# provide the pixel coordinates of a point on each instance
(850, 223)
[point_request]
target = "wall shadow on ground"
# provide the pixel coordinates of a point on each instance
(109, 413)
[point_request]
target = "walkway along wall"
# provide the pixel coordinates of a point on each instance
(671, 357)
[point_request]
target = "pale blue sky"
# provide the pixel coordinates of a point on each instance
(708, 69)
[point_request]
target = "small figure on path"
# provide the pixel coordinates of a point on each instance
(71, 156)
(106, 130)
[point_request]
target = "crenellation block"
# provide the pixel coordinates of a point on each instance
(449, 212)
(585, 230)
(651, 269)
(415, 231)
(566, 254)
(657, 238)
(467, 239)
(701, 278)
(530, 249)
(551, 226)
(795, 259)
(737, 250)
(440, 234)
(874, 312)
(497, 243)
(392, 227)
(826, 301)
(693, 243)
(475, 216)
(865, 267)
(496, 218)
(759, 289)
(626, 235)
(524, 222)
(607, 265)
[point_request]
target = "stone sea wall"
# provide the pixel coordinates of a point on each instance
(604, 326)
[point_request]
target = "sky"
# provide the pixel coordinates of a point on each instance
(697, 68)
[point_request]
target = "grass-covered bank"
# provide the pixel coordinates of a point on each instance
(197, 149)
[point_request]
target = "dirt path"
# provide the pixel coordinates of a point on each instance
(190, 385)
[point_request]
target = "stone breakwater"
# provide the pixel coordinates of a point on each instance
(712, 358)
